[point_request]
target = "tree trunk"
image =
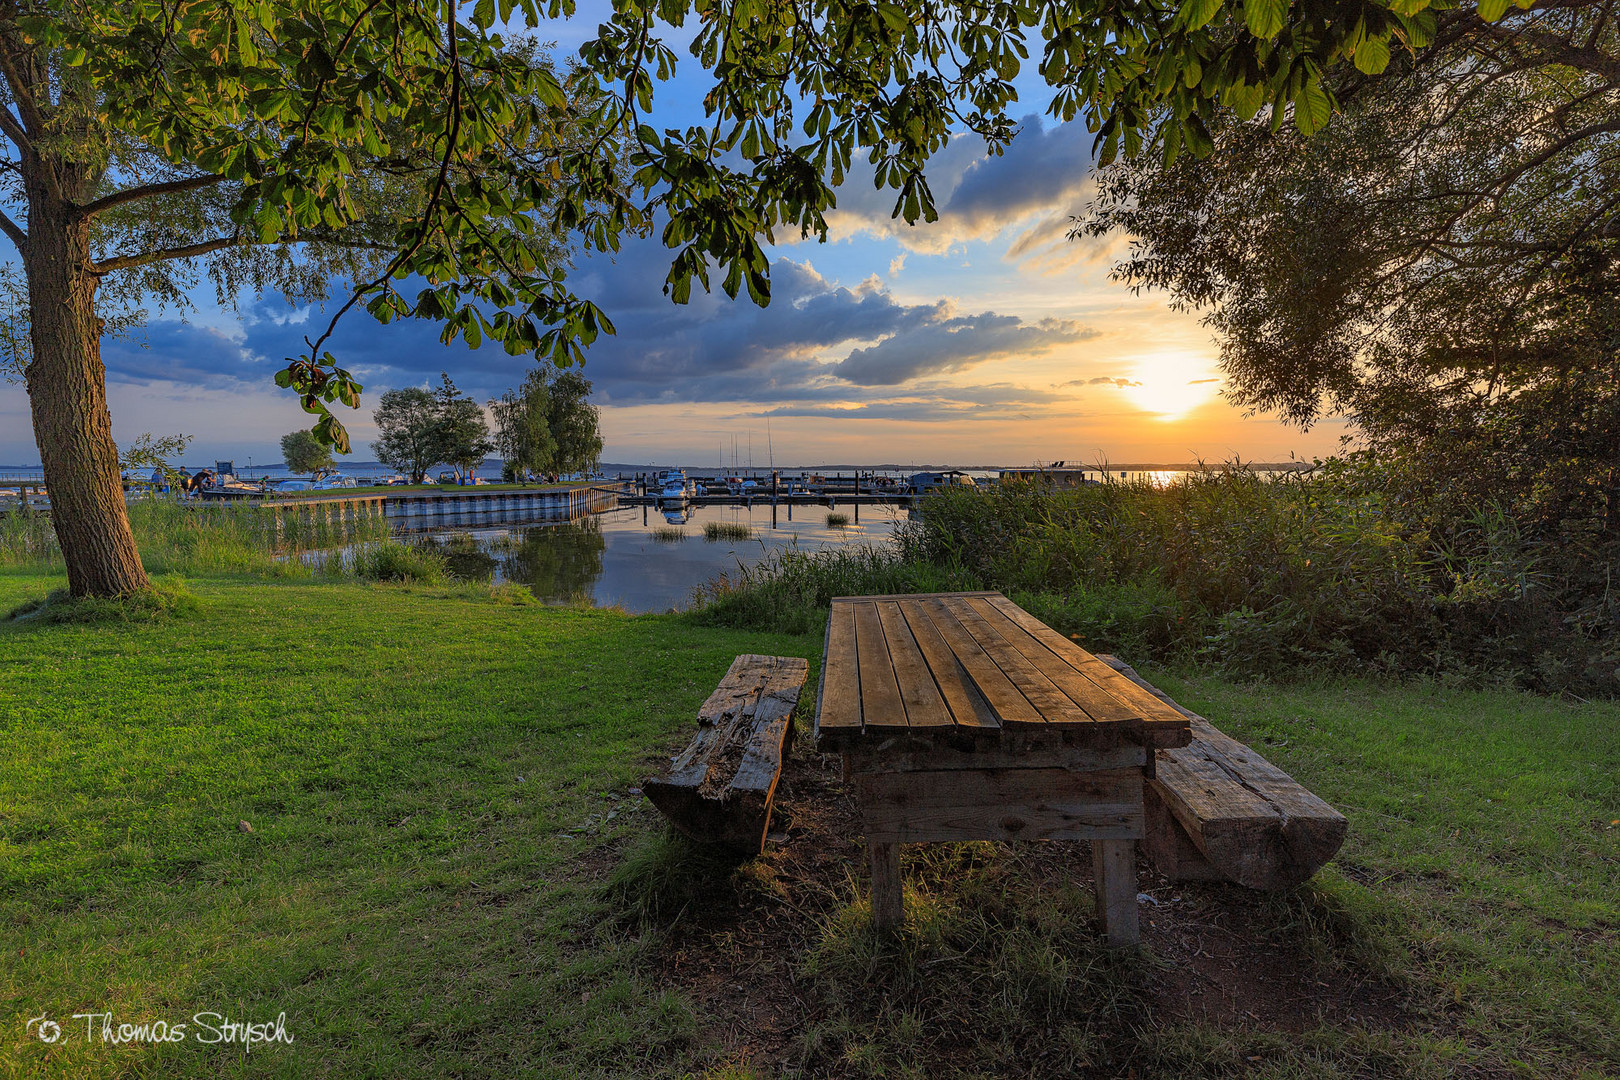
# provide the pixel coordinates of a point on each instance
(67, 393)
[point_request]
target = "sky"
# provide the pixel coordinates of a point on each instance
(987, 337)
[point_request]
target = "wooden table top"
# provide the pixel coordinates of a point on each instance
(977, 664)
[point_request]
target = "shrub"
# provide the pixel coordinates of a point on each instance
(391, 560)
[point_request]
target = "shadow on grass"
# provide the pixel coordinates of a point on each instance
(665, 875)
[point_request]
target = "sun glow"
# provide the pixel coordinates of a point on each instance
(1172, 384)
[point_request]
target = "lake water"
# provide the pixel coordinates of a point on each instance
(619, 558)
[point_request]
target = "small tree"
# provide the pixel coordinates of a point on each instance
(461, 434)
(301, 452)
(574, 423)
(523, 428)
(407, 419)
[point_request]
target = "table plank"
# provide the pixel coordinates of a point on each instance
(1148, 707)
(881, 704)
(838, 702)
(967, 704)
(1010, 706)
(1051, 705)
(925, 707)
(1094, 700)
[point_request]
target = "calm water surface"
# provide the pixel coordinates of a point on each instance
(616, 558)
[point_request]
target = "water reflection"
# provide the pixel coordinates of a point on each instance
(646, 559)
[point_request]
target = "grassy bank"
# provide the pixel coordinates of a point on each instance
(401, 816)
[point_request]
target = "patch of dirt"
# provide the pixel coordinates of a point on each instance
(1219, 956)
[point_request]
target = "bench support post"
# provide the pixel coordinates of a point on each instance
(1113, 865)
(888, 900)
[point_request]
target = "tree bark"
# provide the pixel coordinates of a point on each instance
(67, 394)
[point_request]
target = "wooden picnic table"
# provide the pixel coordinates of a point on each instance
(961, 716)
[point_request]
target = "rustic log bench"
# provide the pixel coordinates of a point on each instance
(719, 790)
(1216, 810)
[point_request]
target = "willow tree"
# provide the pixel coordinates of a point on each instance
(280, 143)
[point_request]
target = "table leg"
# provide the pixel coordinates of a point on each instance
(1114, 868)
(888, 903)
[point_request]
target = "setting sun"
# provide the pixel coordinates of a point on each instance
(1169, 385)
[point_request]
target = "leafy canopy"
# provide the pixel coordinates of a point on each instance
(418, 132)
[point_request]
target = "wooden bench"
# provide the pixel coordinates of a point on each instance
(1216, 810)
(719, 790)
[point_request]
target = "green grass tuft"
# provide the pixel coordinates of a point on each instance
(726, 530)
(390, 560)
(166, 597)
(668, 534)
(837, 519)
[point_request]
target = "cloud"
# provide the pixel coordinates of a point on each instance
(1038, 182)
(172, 351)
(1103, 380)
(818, 342)
(1200, 382)
(950, 344)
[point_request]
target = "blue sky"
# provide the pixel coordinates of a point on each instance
(988, 336)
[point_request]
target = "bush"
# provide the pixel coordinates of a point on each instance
(1328, 570)
(391, 560)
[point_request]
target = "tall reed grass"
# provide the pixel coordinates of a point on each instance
(1258, 575)
(176, 537)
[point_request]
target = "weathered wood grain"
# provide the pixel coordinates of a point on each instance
(1113, 865)
(838, 701)
(925, 707)
(1005, 699)
(969, 709)
(1000, 804)
(1094, 702)
(1252, 822)
(721, 787)
(881, 704)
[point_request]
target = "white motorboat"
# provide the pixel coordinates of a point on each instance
(673, 488)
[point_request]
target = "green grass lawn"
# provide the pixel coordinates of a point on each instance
(391, 813)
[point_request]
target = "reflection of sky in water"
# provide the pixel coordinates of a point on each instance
(613, 558)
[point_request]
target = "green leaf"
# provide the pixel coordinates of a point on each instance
(1373, 56)
(1197, 13)
(1312, 107)
(1491, 10)
(1265, 17)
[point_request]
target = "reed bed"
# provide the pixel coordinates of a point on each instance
(176, 537)
(1256, 575)
(726, 530)
(668, 534)
(837, 519)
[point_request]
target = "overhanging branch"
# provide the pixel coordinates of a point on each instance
(14, 231)
(125, 262)
(119, 198)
